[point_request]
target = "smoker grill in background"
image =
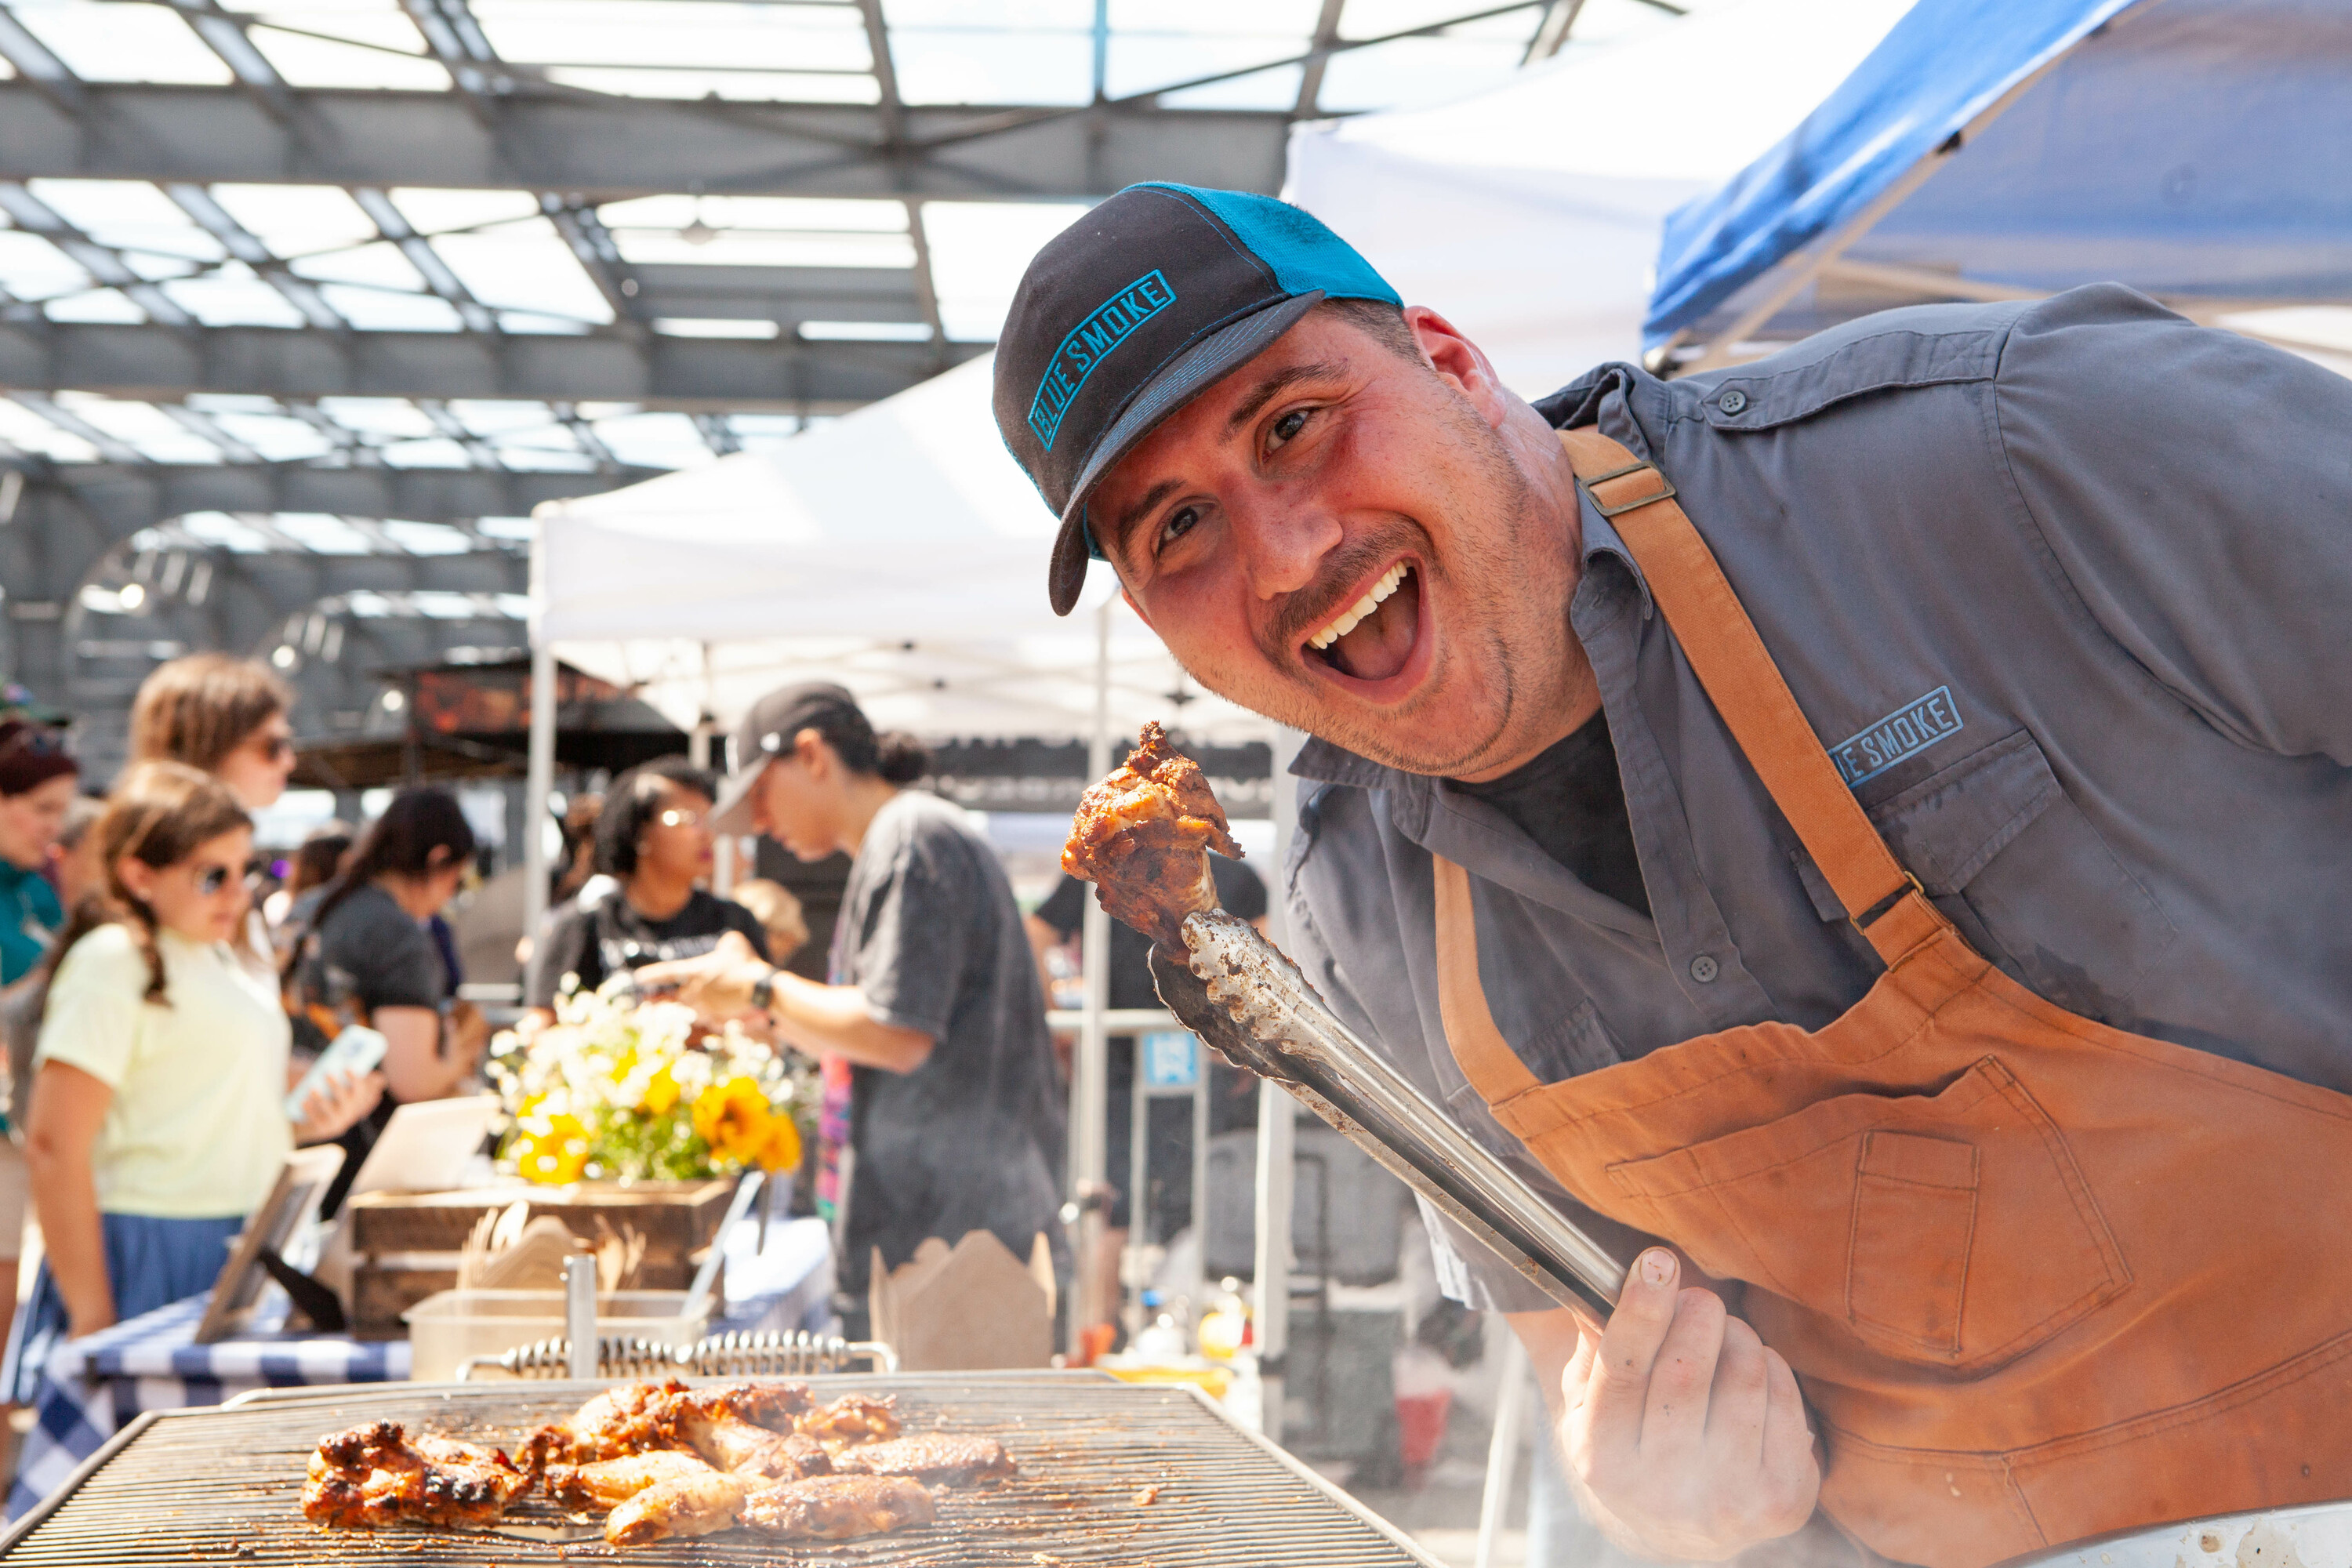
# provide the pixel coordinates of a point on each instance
(1109, 1473)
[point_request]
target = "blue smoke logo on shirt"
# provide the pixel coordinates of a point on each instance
(1106, 327)
(1900, 736)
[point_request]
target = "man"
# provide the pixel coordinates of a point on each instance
(2045, 600)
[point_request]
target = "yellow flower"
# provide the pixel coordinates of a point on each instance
(781, 1152)
(552, 1150)
(732, 1117)
(661, 1093)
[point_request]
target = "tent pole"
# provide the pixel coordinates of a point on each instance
(1090, 1083)
(539, 783)
(1278, 1135)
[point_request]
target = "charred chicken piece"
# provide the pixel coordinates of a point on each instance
(1143, 837)
(608, 1483)
(616, 1422)
(851, 1419)
(713, 1423)
(377, 1475)
(934, 1459)
(697, 1504)
(838, 1507)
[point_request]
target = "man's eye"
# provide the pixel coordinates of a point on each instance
(1289, 425)
(1180, 524)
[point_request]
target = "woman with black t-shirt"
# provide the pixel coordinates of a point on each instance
(653, 847)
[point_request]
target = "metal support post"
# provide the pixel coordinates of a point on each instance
(1090, 1080)
(539, 783)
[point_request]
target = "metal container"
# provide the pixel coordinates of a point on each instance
(2316, 1535)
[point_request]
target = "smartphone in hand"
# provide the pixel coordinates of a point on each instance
(357, 1051)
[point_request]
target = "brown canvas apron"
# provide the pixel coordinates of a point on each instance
(2040, 1278)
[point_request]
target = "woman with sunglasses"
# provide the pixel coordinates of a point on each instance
(653, 841)
(158, 1116)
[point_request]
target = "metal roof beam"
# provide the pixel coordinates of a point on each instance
(601, 148)
(608, 366)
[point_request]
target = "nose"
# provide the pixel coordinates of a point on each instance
(1281, 540)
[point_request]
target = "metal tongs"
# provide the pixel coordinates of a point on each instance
(1254, 1005)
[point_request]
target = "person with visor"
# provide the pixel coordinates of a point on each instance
(955, 1117)
(1869, 830)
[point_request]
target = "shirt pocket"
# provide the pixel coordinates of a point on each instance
(1951, 1229)
(1578, 1043)
(2029, 879)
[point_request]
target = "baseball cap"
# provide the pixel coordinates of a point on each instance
(1131, 312)
(766, 733)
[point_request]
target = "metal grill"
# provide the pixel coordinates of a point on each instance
(226, 1485)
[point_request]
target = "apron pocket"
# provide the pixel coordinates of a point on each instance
(1951, 1229)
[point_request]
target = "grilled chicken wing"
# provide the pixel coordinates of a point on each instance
(935, 1458)
(851, 1419)
(616, 1422)
(1142, 836)
(376, 1474)
(697, 1504)
(716, 1423)
(838, 1507)
(608, 1483)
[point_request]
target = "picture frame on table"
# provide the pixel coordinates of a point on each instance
(258, 1255)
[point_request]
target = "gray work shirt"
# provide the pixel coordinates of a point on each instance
(973, 1138)
(2065, 587)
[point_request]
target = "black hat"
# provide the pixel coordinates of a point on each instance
(1131, 312)
(766, 733)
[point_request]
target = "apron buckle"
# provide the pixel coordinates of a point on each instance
(1604, 508)
(1873, 915)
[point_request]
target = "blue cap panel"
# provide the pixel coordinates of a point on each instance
(1302, 253)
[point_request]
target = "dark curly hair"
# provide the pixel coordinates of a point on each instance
(630, 805)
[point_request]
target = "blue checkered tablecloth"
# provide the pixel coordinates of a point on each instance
(92, 1386)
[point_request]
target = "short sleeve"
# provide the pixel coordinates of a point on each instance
(2195, 488)
(739, 919)
(1066, 907)
(391, 958)
(1240, 890)
(94, 1009)
(913, 945)
(565, 946)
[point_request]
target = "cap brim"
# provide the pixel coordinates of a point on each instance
(731, 812)
(1185, 378)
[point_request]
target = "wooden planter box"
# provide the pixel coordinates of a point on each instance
(406, 1245)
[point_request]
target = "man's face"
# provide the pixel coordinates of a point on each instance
(1350, 541)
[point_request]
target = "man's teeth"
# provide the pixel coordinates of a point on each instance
(1364, 607)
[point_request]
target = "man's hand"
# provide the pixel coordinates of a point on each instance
(1685, 1431)
(717, 985)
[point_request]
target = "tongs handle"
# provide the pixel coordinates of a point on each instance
(1238, 992)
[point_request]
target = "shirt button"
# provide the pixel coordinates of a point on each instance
(1732, 401)
(1704, 969)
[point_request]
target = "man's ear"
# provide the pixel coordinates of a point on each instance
(809, 747)
(1459, 361)
(1128, 595)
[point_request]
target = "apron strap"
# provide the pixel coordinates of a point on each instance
(1883, 899)
(1486, 1058)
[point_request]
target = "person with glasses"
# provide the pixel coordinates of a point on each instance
(648, 905)
(158, 1118)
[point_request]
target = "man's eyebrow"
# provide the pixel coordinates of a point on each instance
(1133, 515)
(1273, 386)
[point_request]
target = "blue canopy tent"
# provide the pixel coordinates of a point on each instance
(2199, 151)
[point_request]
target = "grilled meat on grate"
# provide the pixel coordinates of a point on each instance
(838, 1507)
(376, 1474)
(688, 1505)
(608, 1483)
(935, 1458)
(851, 1419)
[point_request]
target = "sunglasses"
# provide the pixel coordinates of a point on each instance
(277, 747)
(674, 819)
(212, 879)
(20, 739)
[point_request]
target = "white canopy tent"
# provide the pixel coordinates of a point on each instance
(1531, 215)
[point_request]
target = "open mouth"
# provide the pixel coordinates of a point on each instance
(1374, 637)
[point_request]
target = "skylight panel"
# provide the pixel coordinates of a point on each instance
(1070, 15)
(323, 532)
(426, 538)
(1416, 70)
(566, 459)
(654, 440)
(435, 603)
(391, 417)
(944, 65)
(815, 214)
(520, 528)
(158, 437)
(27, 432)
(524, 266)
(322, 62)
(157, 239)
(677, 33)
(719, 327)
(279, 437)
(1614, 21)
(1274, 89)
(433, 452)
(234, 296)
(513, 606)
(439, 212)
(498, 416)
(124, 42)
(740, 87)
(1378, 18)
(866, 331)
(758, 248)
(380, 265)
(979, 250)
(100, 307)
(225, 531)
(292, 220)
(1291, 21)
(33, 268)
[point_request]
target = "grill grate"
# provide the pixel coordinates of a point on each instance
(226, 1485)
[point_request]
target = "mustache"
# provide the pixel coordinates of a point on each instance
(1339, 583)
